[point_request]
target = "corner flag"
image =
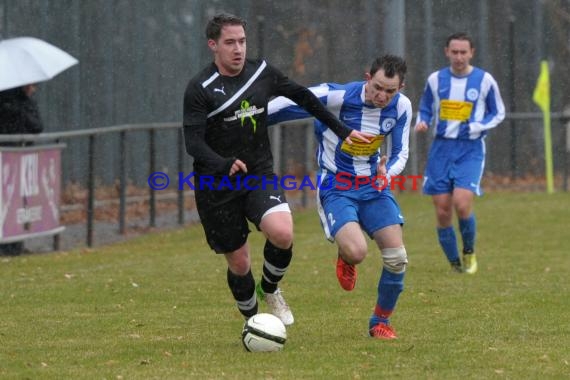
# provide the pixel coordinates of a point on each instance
(541, 97)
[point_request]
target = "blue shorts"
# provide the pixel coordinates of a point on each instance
(454, 163)
(372, 209)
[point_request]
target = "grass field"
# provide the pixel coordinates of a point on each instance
(158, 307)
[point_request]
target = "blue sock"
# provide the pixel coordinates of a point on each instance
(448, 242)
(468, 229)
(390, 286)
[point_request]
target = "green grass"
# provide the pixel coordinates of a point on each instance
(158, 307)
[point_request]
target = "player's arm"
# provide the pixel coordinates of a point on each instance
(306, 99)
(400, 147)
(495, 112)
(426, 109)
(195, 122)
(283, 109)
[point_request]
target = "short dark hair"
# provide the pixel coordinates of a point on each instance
(216, 23)
(391, 64)
(462, 36)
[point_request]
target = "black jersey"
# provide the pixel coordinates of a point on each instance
(225, 117)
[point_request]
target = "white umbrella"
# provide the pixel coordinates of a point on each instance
(27, 60)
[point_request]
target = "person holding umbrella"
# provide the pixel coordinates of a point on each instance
(24, 62)
(29, 60)
(19, 114)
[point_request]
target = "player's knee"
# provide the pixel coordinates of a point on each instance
(239, 261)
(443, 214)
(240, 268)
(354, 253)
(464, 211)
(395, 259)
(282, 238)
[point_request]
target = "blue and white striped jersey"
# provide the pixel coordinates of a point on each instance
(346, 101)
(463, 108)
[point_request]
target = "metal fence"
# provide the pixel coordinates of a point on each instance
(121, 134)
(297, 137)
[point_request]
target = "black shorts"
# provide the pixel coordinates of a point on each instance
(224, 215)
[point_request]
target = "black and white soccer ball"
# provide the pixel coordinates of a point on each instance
(264, 332)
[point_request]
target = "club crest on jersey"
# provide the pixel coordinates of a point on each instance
(472, 94)
(387, 125)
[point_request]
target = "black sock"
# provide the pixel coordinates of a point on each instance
(275, 265)
(243, 290)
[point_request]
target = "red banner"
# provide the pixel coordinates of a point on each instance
(30, 193)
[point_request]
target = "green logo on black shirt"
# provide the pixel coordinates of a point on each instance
(247, 111)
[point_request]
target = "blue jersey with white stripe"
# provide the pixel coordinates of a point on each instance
(462, 108)
(346, 101)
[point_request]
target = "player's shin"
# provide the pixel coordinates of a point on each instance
(390, 285)
(243, 290)
(275, 266)
(467, 227)
(448, 242)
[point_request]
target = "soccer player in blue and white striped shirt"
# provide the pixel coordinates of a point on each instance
(462, 103)
(349, 200)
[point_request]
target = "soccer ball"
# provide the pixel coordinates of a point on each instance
(264, 333)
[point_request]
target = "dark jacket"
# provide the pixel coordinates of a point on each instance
(19, 114)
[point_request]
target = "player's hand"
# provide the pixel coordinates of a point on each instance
(364, 137)
(382, 174)
(238, 166)
(381, 167)
(421, 127)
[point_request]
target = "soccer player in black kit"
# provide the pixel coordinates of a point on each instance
(225, 112)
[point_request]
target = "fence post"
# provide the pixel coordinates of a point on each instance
(152, 201)
(566, 123)
(181, 153)
(565, 155)
(57, 242)
(122, 181)
(512, 99)
(91, 190)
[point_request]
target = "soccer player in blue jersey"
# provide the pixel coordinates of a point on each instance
(462, 103)
(348, 207)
